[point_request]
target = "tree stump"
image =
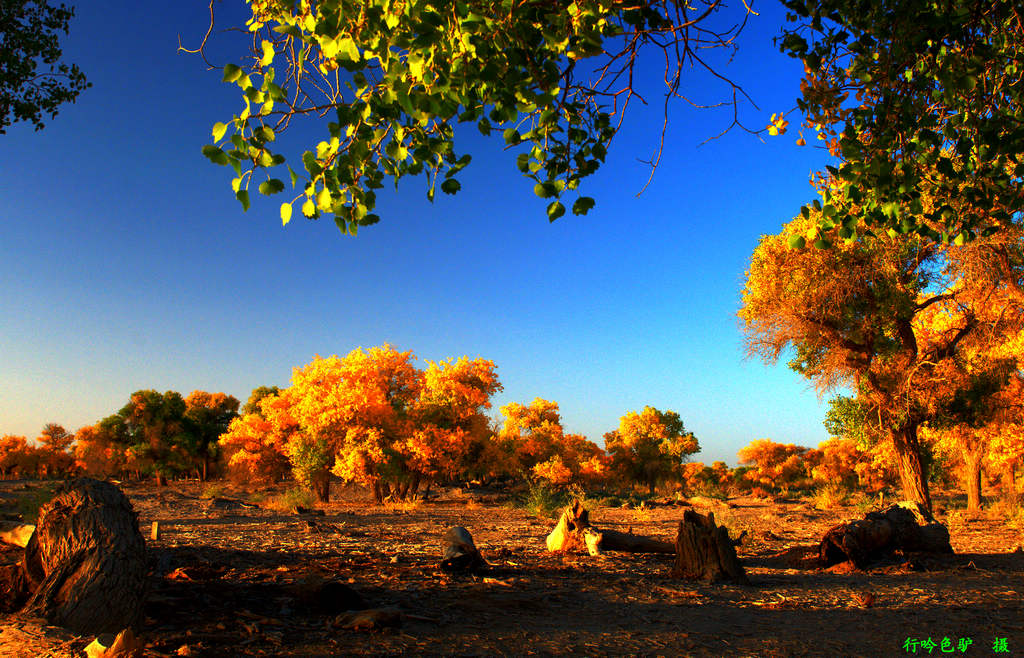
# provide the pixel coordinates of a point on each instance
(460, 553)
(574, 533)
(705, 552)
(906, 527)
(85, 565)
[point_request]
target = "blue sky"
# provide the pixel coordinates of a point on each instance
(126, 263)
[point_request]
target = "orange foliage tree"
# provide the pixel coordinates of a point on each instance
(650, 447)
(774, 464)
(254, 445)
(371, 417)
(535, 445)
(854, 315)
(14, 455)
(98, 452)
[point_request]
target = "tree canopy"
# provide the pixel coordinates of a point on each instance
(33, 81)
(898, 320)
(918, 99)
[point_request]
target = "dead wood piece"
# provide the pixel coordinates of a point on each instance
(905, 527)
(365, 620)
(460, 553)
(86, 561)
(16, 534)
(573, 532)
(122, 645)
(568, 533)
(705, 552)
(630, 543)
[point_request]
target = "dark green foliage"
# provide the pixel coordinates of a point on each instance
(32, 80)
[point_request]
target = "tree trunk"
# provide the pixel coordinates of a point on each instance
(911, 466)
(705, 552)
(1008, 482)
(322, 488)
(86, 562)
(378, 492)
(972, 482)
(161, 480)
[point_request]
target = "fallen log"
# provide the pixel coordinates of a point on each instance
(84, 567)
(705, 552)
(16, 534)
(573, 532)
(904, 527)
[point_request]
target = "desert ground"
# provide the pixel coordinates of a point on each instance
(232, 575)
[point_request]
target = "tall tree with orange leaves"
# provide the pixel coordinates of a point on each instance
(854, 316)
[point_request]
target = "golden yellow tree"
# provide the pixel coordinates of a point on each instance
(650, 447)
(854, 315)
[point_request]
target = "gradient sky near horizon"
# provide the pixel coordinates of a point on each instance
(127, 264)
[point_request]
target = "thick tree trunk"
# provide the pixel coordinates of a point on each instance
(705, 552)
(972, 477)
(86, 562)
(910, 465)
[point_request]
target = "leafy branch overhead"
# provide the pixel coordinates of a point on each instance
(918, 99)
(33, 81)
(392, 78)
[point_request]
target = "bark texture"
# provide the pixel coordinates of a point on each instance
(906, 526)
(86, 562)
(705, 552)
(911, 466)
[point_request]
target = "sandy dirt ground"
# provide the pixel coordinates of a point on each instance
(230, 578)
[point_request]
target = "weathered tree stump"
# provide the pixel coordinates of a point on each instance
(574, 533)
(85, 565)
(705, 552)
(460, 553)
(906, 527)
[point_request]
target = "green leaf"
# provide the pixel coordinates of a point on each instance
(797, 242)
(544, 190)
(243, 198)
(286, 213)
(218, 131)
(231, 73)
(582, 205)
(266, 133)
(555, 210)
(294, 176)
(271, 186)
(450, 186)
(215, 155)
(821, 243)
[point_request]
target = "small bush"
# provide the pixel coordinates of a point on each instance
(829, 496)
(215, 490)
(289, 499)
(544, 501)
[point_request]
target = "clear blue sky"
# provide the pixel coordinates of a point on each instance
(126, 263)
